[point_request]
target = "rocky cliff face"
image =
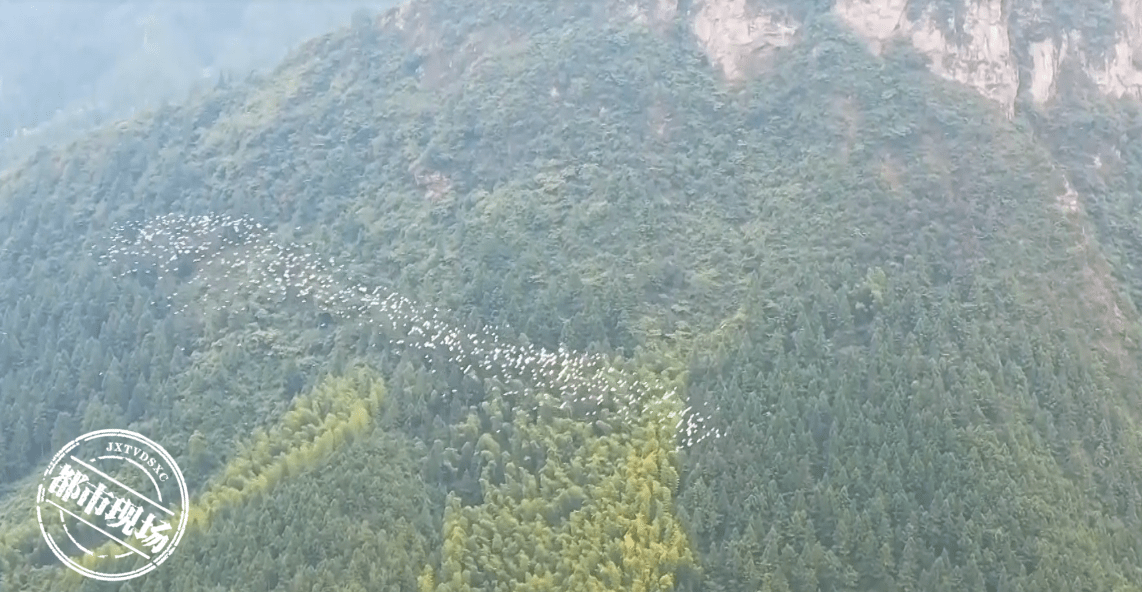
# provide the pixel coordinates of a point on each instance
(1004, 50)
(980, 57)
(736, 34)
(1121, 73)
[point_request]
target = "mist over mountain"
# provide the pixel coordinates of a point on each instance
(66, 66)
(600, 295)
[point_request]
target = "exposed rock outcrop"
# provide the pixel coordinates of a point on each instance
(1120, 73)
(974, 46)
(981, 58)
(738, 37)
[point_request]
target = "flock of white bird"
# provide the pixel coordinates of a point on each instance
(234, 256)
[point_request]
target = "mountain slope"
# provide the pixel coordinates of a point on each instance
(864, 275)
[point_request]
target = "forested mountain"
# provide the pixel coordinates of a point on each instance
(607, 296)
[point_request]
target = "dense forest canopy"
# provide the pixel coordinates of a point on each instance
(526, 296)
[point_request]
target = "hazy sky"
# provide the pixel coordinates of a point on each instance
(61, 61)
